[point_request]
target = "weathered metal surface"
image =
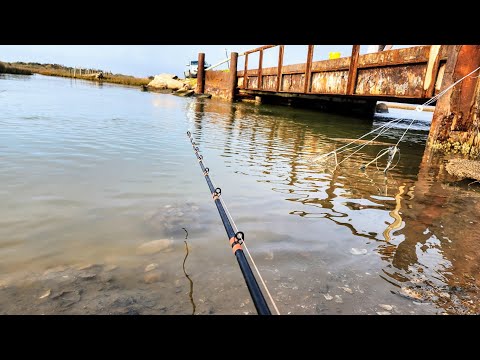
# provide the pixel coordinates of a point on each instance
(412, 55)
(399, 73)
(400, 81)
(456, 121)
(245, 73)
(332, 82)
(353, 70)
(331, 64)
(308, 68)
(269, 83)
(260, 65)
(232, 86)
(293, 82)
(252, 82)
(201, 74)
(217, 83)
(281, 51)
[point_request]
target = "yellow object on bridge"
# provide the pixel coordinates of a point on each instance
(333, 55)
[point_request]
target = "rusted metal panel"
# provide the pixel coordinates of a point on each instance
(217, 83)
(352, 70)
(294, 69)
(293, 82)
(331, 64)
(269, 83)
(331, 82)
(239, 81)
(252, 82)
(412, 55)
(402, 81)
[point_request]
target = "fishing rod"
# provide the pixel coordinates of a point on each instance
(236, 239)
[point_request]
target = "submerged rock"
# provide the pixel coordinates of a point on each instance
(46, 294)
(410, 294)
(151, 267)
(386, 307)
(381, 108)
(203, 96)
(355, 251)
(153, 277)
(153, 247)
(184, 92)
(328, 297)
(383, 313)
(464, 168)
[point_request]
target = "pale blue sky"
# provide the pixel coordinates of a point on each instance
(146, 60)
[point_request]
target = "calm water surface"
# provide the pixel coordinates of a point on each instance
(91, 172)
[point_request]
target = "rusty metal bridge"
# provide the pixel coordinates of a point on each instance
(406, 75)
(411, 75)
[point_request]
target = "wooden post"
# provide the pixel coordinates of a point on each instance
(75, 72)
(233, 76)
(245, 77)
(352, 71)
(281, 50)
(201, 73)
(260, 64)
(308, 69)
(456, 121)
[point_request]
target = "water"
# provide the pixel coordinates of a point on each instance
(91, 172)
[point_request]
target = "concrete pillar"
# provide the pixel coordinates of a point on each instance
(456, 121)
(201, 73)
(232, 84)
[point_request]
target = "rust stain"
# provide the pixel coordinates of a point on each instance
(402, 81)
(417, 54)
(216, 83)
(293, 82)
(332, 82)
(269, 83)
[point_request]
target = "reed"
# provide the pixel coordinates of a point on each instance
(87, 74)
(7, 68)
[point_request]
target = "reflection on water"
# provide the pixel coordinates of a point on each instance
(90, 174)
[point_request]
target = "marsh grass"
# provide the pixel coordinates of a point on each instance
(7, 68)
(63, 71)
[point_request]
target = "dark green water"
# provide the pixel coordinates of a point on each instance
(89, 173)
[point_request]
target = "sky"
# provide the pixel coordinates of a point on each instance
(147, 60)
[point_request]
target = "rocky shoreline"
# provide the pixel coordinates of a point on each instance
(172, 84)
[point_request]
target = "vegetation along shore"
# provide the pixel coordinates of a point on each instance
(65, 71)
